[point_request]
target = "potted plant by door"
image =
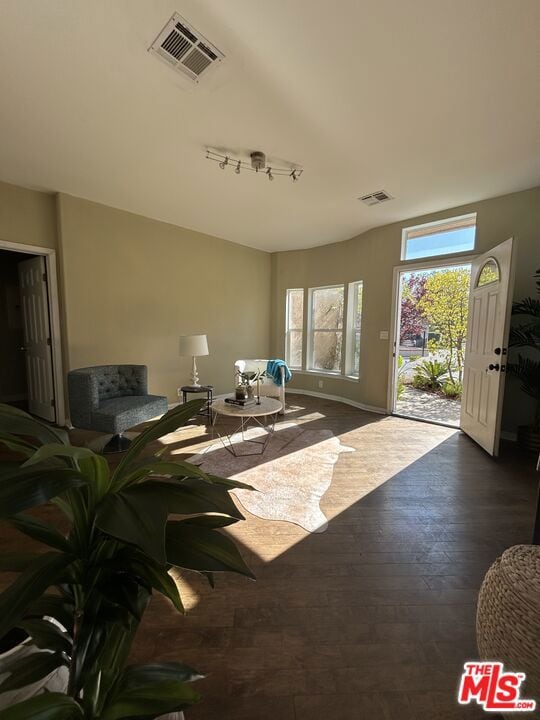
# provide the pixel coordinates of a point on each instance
(81, 601)
(526, 334)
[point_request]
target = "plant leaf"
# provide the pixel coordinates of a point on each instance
(14, 443)
(527, 371)
(176, 469)
(170, 422)
(24, 488)
(136, 515)
(50, 706)
(47, 636)
(527, 306)
(231, 484)
(122, 589)
(96, 471)
(157, 577)
(210, 521)
(53, 606)
(151, 700)
(30, 669)
(41, 531)
(210, 577)
(27, 588)
(140, 675)
(58, 450)
(13, 420)
(161, 468)
(194, 496)
(203, 549)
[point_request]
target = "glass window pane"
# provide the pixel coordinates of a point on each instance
(440, 244)
(327, 351)
(327, 308)
(296, 309)
(453, 235)
(295, 349)
(489, 273)
(358, 305)
(356, 358)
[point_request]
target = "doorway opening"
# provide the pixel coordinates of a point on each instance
(30, 362)
(430, 340)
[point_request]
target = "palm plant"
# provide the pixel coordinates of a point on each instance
(96, 580)
(527, 335)
(428, 374)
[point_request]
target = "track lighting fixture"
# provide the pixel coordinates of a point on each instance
(256, 163)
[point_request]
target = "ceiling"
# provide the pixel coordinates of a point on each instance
(435, 101)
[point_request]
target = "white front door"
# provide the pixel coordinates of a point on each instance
(37, 337)
(486, 358)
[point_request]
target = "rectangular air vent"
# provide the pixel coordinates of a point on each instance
(376, 197)
(185, 49)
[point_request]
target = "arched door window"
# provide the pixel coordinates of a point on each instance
(489, 273)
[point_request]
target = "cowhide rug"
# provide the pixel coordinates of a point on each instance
(290, 477)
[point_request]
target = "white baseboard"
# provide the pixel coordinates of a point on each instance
(337, 398)
(324, 396)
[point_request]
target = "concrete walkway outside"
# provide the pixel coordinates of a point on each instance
(428, 406)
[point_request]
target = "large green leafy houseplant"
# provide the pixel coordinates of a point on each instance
(127, 529)
(526, 334)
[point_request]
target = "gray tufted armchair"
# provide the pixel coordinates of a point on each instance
(111, 399)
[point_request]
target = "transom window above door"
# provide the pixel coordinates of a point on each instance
(444, 237)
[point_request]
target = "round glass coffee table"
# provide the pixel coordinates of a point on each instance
(262, 414)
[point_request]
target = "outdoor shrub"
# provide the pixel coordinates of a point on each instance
(452, 390)
(400, 384)
(429, 374)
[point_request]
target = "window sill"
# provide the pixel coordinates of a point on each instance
(320, 373)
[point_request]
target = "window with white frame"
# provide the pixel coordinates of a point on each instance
(294, 327)
(325, 328)
(444, 237)
(354, 328)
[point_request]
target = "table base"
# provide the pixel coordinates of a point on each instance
(262, 443)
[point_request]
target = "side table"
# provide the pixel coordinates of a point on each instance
(198, 390)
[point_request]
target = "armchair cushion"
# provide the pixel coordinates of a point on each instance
(119, 413)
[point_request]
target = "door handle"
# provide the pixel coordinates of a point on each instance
(23, 348)
(491, 366)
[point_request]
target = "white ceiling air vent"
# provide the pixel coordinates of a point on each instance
(376, 197)
(183, 47)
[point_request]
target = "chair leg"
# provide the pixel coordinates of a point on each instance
(118, 443)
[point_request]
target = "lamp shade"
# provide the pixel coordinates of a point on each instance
(193, 345)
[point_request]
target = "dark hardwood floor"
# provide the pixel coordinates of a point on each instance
(372, 618)
(375, 617)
